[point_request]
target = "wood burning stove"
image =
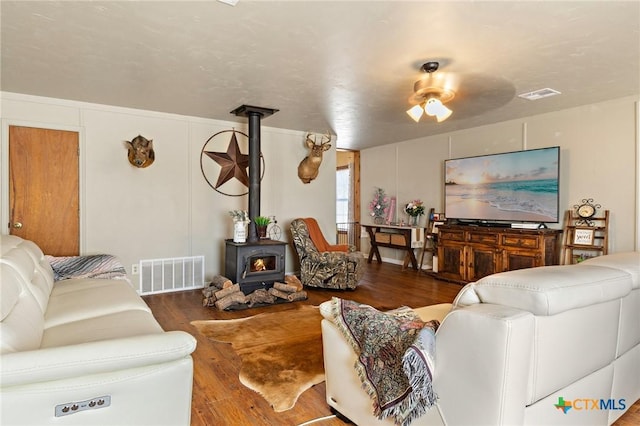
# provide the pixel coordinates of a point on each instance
(255, 265)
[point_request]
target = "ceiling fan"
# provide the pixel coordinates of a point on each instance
(430, 94)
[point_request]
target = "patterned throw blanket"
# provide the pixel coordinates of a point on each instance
(395, 357)
(92, 266)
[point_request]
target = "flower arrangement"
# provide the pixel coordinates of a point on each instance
(414, 208)
(379, 206)
(239, 215)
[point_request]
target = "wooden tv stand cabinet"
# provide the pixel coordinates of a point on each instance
(467, 253)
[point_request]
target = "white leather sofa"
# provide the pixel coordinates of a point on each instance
(513, 343)
(84, 351)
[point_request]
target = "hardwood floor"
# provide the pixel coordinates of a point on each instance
(220, 399)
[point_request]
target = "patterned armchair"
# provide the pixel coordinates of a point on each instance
(322, 264)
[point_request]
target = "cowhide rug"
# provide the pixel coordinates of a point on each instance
(281, 352)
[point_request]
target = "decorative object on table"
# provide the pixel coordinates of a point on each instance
(438, 217)
(586, 232)
(583, 237)
(261, 226)
(281, 352)
(435, 221)
(240, 222)
(414, 209)
(310, 165)
(379, 206)
(227, 165)
(140, 152)
(392, 211)
(274, 231)
(585, 210)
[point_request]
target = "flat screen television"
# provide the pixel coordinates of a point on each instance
(511, 187)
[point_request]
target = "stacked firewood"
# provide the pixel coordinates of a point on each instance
(222, 293)
(289, 292)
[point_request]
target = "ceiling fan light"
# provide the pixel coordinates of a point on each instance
(443, 114)
(431, 92)
(435, 108)
(415, 113)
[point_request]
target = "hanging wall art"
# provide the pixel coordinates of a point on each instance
(224, 166)
(140, 152)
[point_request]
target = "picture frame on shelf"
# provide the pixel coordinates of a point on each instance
(434, 227)
(583, 237)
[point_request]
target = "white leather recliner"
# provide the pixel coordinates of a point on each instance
(84, 351)
(514, 344)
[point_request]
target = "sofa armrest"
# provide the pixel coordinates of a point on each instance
(483, 357)
(21, 368)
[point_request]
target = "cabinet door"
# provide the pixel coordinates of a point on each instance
(482, 261)
(520, 259)
(451, 261)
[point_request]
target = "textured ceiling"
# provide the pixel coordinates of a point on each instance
(347, 67)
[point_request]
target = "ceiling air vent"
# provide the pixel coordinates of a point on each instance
(539, 94)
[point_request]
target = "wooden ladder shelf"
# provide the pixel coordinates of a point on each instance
(584, 238)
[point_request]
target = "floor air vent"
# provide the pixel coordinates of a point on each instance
(174, 274)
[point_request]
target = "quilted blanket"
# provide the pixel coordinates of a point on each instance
(395, 357)
(91, 266)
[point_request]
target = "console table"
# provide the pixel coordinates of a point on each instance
(397, 237)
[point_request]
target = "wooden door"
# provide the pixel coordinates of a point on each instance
(44, 187)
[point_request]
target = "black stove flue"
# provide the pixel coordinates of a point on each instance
(254, 114)
(256, 263)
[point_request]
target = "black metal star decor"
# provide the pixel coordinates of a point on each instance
(229, 164)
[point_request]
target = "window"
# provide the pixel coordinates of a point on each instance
(343, 191)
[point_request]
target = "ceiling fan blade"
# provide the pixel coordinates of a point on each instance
(480, 93)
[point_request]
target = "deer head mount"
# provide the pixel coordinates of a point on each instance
(141, 153)
(309, 166)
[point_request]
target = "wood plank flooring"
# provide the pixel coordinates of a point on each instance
(220, 399)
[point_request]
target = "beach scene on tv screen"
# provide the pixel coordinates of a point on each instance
(516, 186)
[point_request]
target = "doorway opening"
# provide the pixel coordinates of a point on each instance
(348, 198)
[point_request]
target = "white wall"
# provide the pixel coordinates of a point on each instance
(599, 159)
(168, 209)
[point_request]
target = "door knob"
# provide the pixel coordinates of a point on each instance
(17, 225)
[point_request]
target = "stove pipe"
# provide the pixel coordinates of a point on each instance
(254, 114)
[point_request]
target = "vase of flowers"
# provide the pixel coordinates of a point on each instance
(414, 209)
(379, 206)
(240, 221)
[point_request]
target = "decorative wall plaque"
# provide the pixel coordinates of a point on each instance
(222, 162)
